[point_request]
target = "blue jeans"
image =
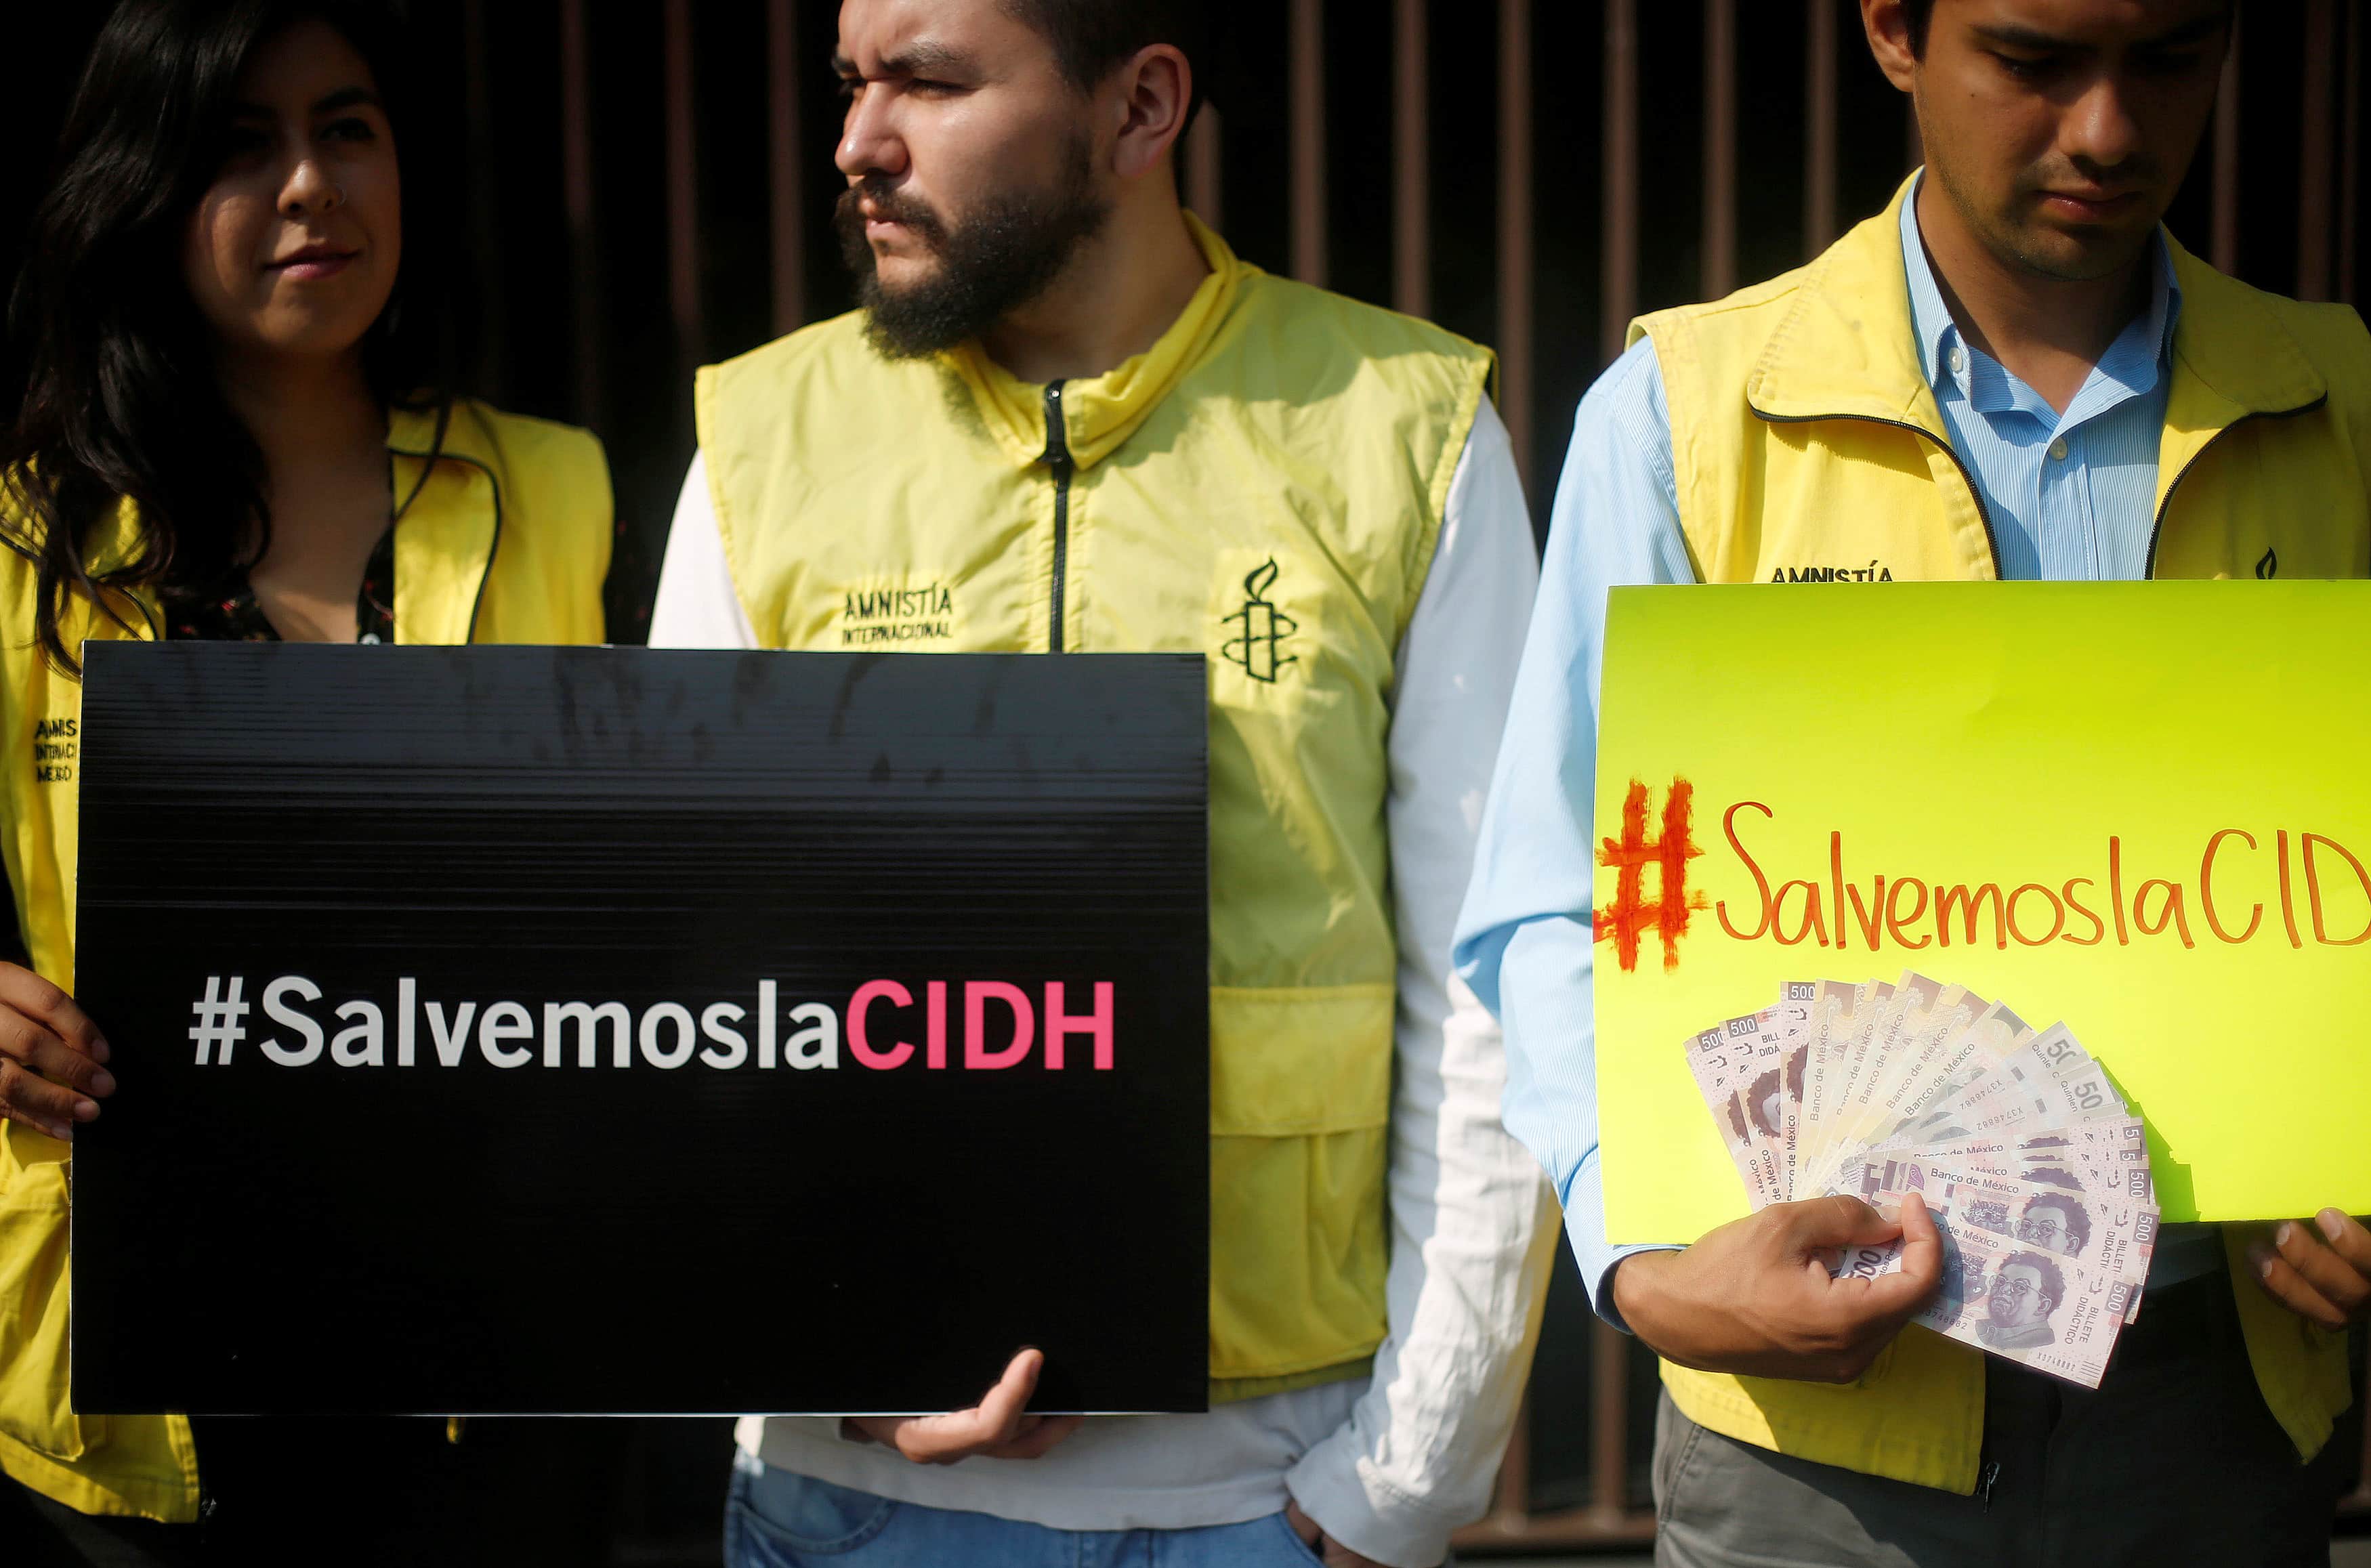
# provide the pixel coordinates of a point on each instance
(776, 1519)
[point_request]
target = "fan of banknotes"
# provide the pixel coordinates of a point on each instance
(2033, 1167)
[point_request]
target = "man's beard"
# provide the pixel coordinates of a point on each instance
(1003, 255)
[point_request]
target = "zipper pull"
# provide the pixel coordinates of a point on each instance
(1058, 432)
(1986, 1481)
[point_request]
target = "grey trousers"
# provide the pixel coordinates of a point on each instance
(2172, 1460)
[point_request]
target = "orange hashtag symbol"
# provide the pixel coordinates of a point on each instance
(1629, 914)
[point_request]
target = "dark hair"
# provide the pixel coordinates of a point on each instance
(2052, 1284)
(1093, 37)
(121, 400)
(1920, 15)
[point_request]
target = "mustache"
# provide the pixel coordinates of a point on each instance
(890, 204)
(2136, 173)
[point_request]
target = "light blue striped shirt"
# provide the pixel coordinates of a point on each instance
(2070, 495)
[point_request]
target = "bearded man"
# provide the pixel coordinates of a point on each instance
(1069, 418)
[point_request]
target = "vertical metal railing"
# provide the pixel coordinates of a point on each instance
(2350, 159)
(1411, 160)
(1204, 154)
(2223, 228)
(1819, 125)
(1516, 236)
(1308, 155)
(2314, 251)
(785, 156)
(1719, 216)
(682, 189)
(577, 203)
(1618, 221)
(485, 200)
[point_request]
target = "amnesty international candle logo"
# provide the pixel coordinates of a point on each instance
(2140, 805)
(1261, 629)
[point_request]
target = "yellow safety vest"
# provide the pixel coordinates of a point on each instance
(506, 541)
(1264, 486)
(1805, 436)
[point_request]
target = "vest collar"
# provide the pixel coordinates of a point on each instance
(2233, 360)
(449, 523)
(445, 538)
(114, 543)
(1101, 413)
(1849, 349)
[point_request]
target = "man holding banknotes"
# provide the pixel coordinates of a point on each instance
(2013, 372)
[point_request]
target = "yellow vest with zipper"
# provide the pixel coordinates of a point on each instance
(506, 541)
(1264, 486)
(1805, 435)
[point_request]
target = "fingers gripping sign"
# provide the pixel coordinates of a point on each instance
(1000, 1427)
(1778, 1294)
(51, 1056)
(2320, 1270)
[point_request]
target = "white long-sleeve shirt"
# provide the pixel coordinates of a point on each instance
(1388, 1465)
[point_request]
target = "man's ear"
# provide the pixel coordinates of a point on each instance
(1151, 94)
(1887, 22)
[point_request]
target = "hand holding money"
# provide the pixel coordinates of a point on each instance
(2010, 1145)
(1774, 1295)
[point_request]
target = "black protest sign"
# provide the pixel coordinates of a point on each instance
(546, 1031)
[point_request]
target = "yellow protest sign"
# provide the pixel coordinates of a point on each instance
(2143, 809)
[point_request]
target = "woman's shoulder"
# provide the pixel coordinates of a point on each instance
(112, 540)
(18, 540)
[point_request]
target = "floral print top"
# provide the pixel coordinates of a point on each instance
(230, 613)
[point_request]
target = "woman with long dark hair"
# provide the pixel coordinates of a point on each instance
(240, 422)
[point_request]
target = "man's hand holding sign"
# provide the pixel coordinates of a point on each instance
(2320, 1269)
(1000, 1427)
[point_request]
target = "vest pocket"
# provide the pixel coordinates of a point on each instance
(34, 1405)
(1295, 1060)
(1300, 1113)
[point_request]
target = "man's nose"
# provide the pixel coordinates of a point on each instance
(869, 142)
(2098, 130)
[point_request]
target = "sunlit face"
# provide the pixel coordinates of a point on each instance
(2016, 1298)
(293, 249)
(2061, 129)
(957, 114)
